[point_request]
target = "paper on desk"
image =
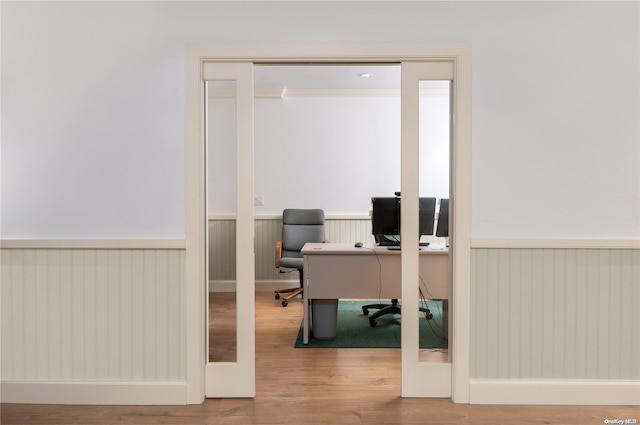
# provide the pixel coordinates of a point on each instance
(437, 247)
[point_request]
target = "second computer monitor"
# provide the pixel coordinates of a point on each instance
(443, 219)
(427, 214)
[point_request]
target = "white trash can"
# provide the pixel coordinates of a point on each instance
(324, 318)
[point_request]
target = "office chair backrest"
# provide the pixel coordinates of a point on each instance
(300, 227)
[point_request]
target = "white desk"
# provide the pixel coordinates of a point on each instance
(334, 270)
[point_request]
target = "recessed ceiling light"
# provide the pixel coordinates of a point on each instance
(365, 75)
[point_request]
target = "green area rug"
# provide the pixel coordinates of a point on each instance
(353, 330)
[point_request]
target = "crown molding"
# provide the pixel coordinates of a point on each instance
(281, 93)
(259, 92)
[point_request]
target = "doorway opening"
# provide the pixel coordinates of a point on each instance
(325, 136)
(216, 62)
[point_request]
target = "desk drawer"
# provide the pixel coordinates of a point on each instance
(372, 276)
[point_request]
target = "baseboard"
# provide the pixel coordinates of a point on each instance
(123, 393)
(567, 392)
(261, 285)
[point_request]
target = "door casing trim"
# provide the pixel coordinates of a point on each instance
(199, 54)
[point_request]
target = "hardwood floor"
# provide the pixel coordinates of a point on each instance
(310, 386)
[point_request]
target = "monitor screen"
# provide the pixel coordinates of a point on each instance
(443, 219)
(427, 215)
(386, 216)
(385, 219)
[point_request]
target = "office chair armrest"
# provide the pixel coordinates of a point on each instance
(278, 254)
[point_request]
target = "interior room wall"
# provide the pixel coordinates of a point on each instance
(333, 152)
(329, 152)
(93, 146)
(93, 108)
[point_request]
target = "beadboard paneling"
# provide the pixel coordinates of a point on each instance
(268, 230)
(222, 249)
(93, 314)
(555, 314)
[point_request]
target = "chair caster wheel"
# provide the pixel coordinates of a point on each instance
(277, 296)
(365, 311)
(285, 303)
(373, 322)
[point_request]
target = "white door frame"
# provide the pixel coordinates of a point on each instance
(199, 54)
(437, 375)
(237, 378)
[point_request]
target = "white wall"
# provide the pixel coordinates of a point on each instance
(93, 108)
(93, 146)
(329, 152)
(326, 151)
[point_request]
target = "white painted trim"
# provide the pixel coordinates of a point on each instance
(347, 217)
(195, 225)
(238, 379)
(93, 244)
(413, 376)
(222, 286)
(557, 243)
(125, 392)
(568, 392)
(282, 92)
(202, 53)
(222, 217)
(460, 241)
(260, 92)
(261, 285)
(305, 52)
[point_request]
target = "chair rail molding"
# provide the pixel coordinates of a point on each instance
(93, 244)
(556, 243)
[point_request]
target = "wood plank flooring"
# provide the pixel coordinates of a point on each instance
(310, 386)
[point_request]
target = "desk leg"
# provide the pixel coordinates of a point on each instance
(445, 317)
(305, 302)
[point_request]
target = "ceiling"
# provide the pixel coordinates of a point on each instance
(327, 77)
(302, 79)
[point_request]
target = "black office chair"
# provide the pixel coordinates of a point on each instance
(383, 309)
(299, 226)
(393, 308)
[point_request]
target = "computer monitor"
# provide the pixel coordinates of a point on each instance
(426, 215)
(385, 219)
(442, 230)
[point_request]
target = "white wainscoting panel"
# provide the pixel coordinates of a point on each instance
(268, 230)
(555, 314)
(93, 315)
(222, 249)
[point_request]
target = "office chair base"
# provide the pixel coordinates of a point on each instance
(389, 309)
(291, 292)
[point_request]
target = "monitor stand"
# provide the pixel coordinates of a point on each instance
(397, 247)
